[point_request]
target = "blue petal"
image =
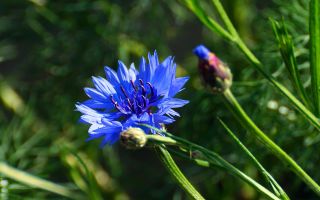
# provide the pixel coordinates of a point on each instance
(111, 76)
(173, 102)
(143, 70)
(177, 85)
(201, 51)
(110, 123)
(94, 94)
(111, 133)
(92, 133)
(123, 73)
(170, 112)
(134, 121)
(163, 76)
(98, 104)
(133, 72)
(160, 76)
(103, 86)
(153, 62)
(88, 111)
(110, 130)
(105, 130)
(147, 76)
(89, 119)
(168, 103)
(162, 119)
(110, 139)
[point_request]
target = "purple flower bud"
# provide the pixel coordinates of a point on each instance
(214, 73)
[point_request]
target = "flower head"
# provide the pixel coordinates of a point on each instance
(214, 72)
(129, 97)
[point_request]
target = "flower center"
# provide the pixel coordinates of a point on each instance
(137, 99)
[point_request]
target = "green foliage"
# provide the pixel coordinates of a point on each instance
(314, 26)
(287, 52)
(49, 50)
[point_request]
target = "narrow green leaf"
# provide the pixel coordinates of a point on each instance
(275, 186)
(213, 159)
(257, 64)
(286, 48)
(314, 28)
(247, 123)
(225, 18)
(174, 170)
(194, 6)
(34, 181)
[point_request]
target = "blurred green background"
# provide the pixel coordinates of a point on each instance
(50, 49)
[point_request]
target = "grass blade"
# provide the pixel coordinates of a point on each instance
(194, 6)
(213, 159)
(34, 181)
(314, 28)
(257, 64)
(248, 124)
(275, 186)
(174, 170)
(286, 48)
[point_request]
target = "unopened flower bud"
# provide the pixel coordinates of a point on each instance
(133, 138)
(215, 74)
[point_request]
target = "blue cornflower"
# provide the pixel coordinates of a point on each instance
(129, 97)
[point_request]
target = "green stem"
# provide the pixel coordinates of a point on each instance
(225, 18)
(224, 165)
(34, 181)
(160, 139)
(295, 102)
(194, 6)
(314, 26)
(286, 48)
(277, 188)
(174, 170)
(211, 159)
(257, 64)
(237, 173)
(245, 120)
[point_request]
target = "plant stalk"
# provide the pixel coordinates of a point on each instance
(210, 159)
(235, 38)
(174, 170)
(247, 123)
(314, 28)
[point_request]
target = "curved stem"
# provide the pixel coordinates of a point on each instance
(274, 184)
(211, 162)
(235, 38)
(209, 159)
(174, 170)
(245, 120)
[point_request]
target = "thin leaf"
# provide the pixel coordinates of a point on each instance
(174, 170)
(34, 181)
(249, 124)
(194, 6)
(286, 48)
(275, 186)
(216, 160)
(314, 28)
(257, 64)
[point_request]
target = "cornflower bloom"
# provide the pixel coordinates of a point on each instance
(131, 97)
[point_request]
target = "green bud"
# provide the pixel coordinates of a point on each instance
(133, 138)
